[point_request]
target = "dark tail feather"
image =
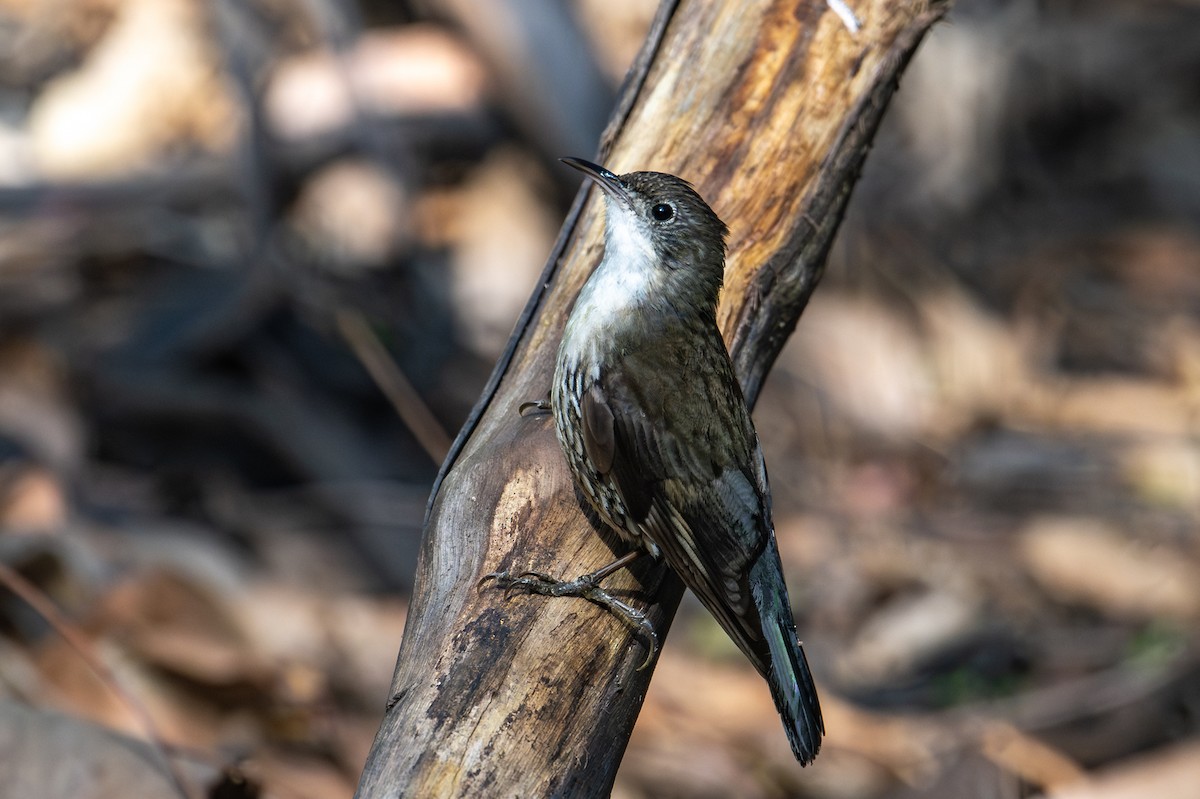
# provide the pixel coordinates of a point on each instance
(787, 672)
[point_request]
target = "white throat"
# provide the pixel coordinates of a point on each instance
(626, 241)
(624, 278)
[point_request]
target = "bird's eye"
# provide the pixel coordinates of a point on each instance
(662, 212)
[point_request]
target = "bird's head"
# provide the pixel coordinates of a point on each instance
(658, 221)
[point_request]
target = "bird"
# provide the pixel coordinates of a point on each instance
(658, 437)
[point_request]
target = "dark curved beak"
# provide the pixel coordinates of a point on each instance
(610, 183)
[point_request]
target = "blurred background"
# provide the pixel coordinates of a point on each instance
(258, 257)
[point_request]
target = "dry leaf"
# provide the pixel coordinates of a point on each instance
(53, 756)
(1089, 562)
(415, 69)
(1173, 773)
(151, 83)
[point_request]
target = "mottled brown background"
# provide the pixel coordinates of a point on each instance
(983, 440)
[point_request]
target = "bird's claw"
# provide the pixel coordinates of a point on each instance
(584, 587)
(534, 408)
(530, 582)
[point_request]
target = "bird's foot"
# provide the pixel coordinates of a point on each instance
(586, 587)
(535, 408)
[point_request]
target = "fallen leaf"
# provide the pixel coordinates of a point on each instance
(1092, 563)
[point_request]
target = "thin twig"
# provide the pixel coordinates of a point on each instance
(395, 386)
(45, 607)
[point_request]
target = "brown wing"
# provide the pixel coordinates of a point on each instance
(599, 442)
(695, 490)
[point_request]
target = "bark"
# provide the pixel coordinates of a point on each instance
(768, 107)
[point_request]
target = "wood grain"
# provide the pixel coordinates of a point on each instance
(768, 107)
